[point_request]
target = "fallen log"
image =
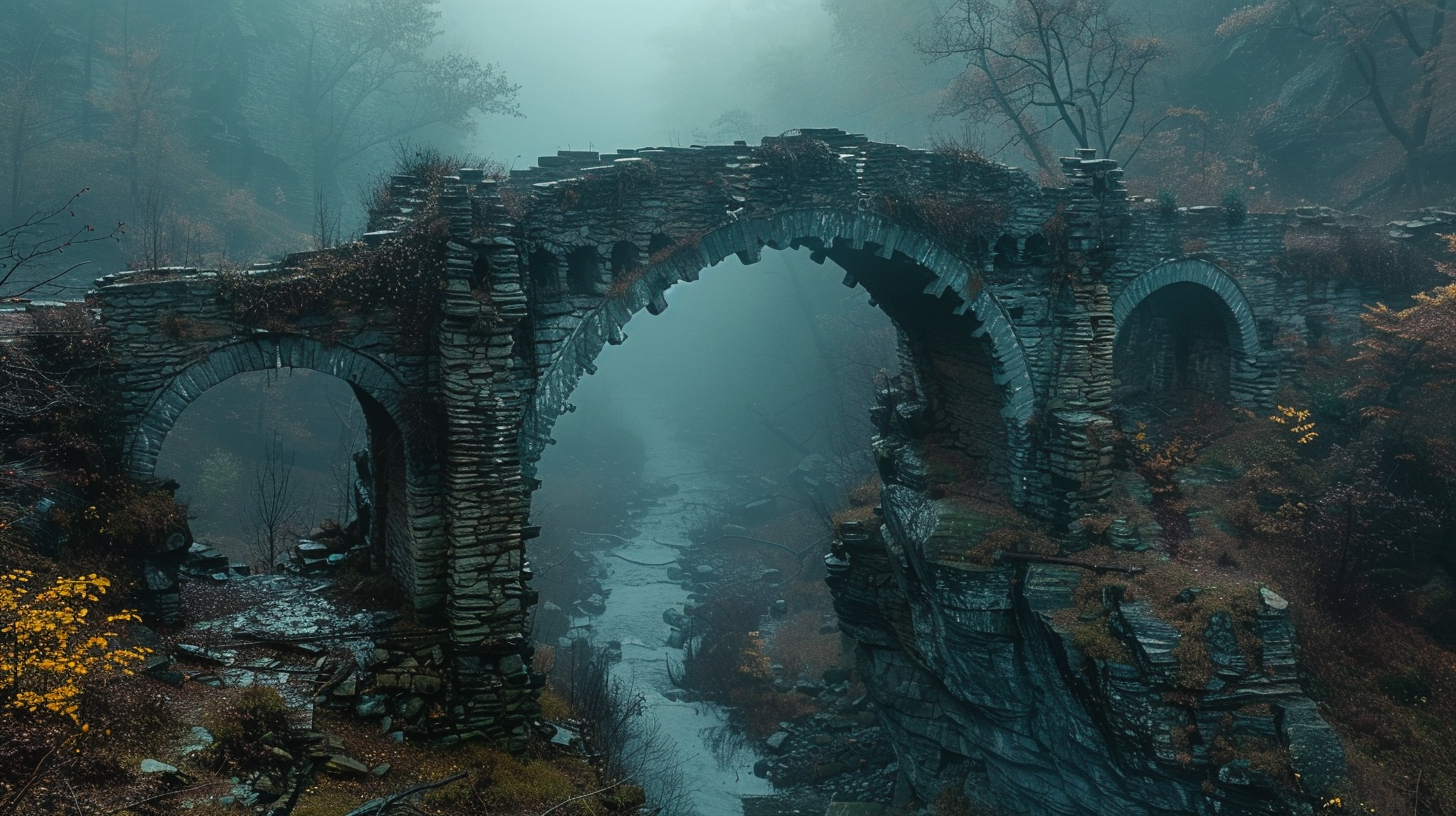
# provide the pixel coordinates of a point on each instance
(375, 807)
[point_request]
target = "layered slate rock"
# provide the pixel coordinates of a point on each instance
(981, 681)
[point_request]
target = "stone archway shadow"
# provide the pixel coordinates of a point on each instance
(1245, 370)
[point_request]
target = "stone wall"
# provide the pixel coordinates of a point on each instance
(174, 335)
(1008, 299)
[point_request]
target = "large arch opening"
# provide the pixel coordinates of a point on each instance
(665, 449)
(267, 439)
(959, 330)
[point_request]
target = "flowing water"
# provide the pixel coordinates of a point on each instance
(634, 617)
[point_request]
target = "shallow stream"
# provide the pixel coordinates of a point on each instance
(634, 617)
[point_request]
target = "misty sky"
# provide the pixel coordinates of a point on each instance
(629, 73)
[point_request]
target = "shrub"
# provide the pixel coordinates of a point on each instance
(796, 157)
(758, 711)
(246, 727)
(1235, 209)
(798, 646)
(729, 652)
(142, 520)
(509, 785)
(50, 646)
(1363, 256)
(1167, 203)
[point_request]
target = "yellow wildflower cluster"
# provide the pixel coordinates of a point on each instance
(1140, 439)
(1298, 422)
(49, 644)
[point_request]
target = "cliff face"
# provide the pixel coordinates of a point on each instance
(980, 683)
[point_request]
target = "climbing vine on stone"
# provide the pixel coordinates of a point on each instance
(402, 274)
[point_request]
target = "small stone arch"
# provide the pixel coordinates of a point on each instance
(746, 237)
(144, 442)
(376, 386)
(1243, 332)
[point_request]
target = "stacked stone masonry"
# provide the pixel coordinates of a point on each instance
(1008, 298)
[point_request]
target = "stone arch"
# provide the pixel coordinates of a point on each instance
(379, 392)
(746, 237)
(1243, 335)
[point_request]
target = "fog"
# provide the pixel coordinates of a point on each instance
(709, 459)
(603, 76)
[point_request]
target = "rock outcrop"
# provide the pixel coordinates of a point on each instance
(980, 680)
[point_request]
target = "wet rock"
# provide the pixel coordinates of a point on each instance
(776, 741)
(198, 738)
(594, 605)
(153, 766)
(206, 655)
(1188, 595)
(563, 736)
(771, 576)
(370, 706)
(1315, 753)
(411, 708)
(1272, 600)
(344, 765)
(761, 508)
(835, 675)
(1223, 646)
(348, 687)
(779, 607)
(1151, 639)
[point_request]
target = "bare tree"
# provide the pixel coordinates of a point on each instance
(274, 506)
(365, 79)
(1396, 49)
(41, 237)
(1041, 65)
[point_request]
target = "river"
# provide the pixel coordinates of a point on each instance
(639, 594)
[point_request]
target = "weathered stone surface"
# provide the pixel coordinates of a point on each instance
(976, 683)
(1015, 378)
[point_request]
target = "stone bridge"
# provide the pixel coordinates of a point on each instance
(1023, 313)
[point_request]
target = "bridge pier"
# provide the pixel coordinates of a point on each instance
(487, 598)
